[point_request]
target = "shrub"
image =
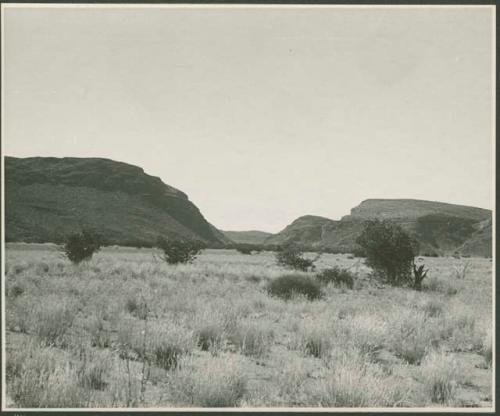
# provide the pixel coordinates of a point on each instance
(418, 275)
(460, 271)
(215, 382)
(209, 337)
(315, 341)
(338, 276)
(137, 307)
(92, 370)
(252, 339)
(41, 380)
(389, 250)
(287, 286)
(169, 344)
(178, 251)
(81, 246)
(53, 321)
(410, 336)
(245, 248)
(355, 383)
(436, 284)
(99, 336)
(440, 376)
(433, 308)
(292, 257)
(487, 349)
(368, 332)
(16, 290)
(167, 355)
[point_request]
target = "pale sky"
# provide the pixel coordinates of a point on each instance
(261, 115)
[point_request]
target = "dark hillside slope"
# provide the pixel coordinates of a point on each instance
(45, 198)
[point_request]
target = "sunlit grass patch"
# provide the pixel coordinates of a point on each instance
(440, 374)
(43, 379)
(410, 335)
(252, 339)
(352, 382)
(211, 382)
(54, 318)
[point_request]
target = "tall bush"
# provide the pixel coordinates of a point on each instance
(82, 245)
(176, 251)
(389, 250)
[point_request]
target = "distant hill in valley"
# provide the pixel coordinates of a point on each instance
(439, 227)
(247, 237)
(46, 198)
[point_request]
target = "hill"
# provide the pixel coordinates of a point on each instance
(439, 227)
(46, 198)
(247, 237)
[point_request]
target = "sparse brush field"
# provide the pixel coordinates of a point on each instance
(125, 329)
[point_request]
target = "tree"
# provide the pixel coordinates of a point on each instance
(292, 257)
(82, 245)
(244, 248)
(389, 250)
(175, 251)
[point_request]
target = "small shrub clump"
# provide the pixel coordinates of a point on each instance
(16, 290)
(292, 257)
(290, 285)
(166, 356)
(245, 248)
(440, 374)
(252, 340)
(177, 251)
(81, 246)
(338, 276)
(209, 337)
(53, 322)
(214, 382)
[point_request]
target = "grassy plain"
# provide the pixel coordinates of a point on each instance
(127, 330)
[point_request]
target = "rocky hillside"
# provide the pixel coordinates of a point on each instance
(440, 228)
(247, 237)
(47, 198)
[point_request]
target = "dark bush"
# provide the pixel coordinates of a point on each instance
(245, 248)
(389, 251)
(167, 356)
(15, 290)
(338, 276)
(292, 257)
(82, 246)
(175, 251)
(136, 307)
(287, 286)
(209, 336)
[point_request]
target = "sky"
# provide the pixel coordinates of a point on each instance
(261, 114)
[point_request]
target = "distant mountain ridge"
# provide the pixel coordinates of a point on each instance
(47, 198)
(247, 237)
(440, 228)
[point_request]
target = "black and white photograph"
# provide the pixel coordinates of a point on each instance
(248, 207)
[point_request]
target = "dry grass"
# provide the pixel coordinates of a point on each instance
(353, 382)
(214, 382)
(440, 374)
(124, 330)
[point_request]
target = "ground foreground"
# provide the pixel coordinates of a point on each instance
(127, 330)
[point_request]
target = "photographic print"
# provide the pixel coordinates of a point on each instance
(248, 207)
